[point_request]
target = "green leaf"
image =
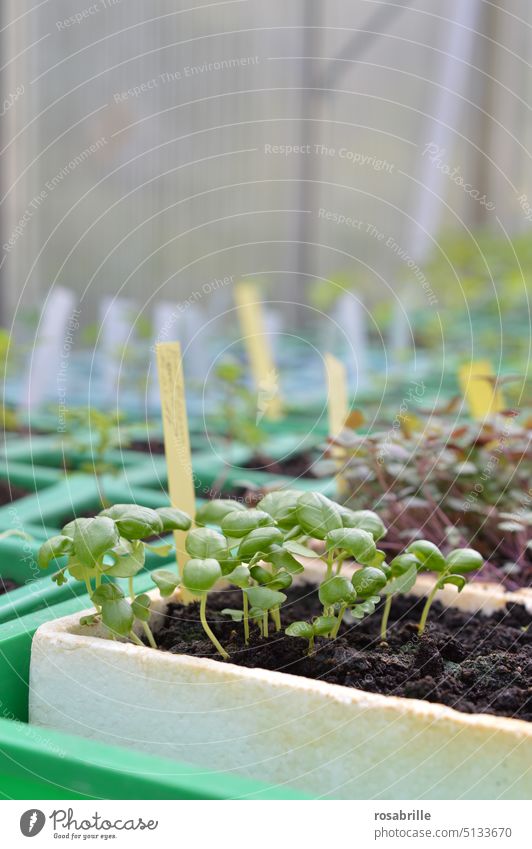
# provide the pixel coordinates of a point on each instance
(281, 506)
(259, 541)
(260, 574)
(240, 523)
(93, 538)
(53, 548)
(264, 598)
(59, 578)
(117, 613)
(303, 630)
(141, 607)
(403, 563)
(379, 561)
(78, 570)
(359, 544)
(336, 590)
(281, 581)
(282, 559)
(92, 619)
(359, 611)
(323, 625)
(317, 514)
(368, 581)
(239, 576)
(458, 581)
(212, 512)
(160, 550)
(128, 565)
(428, 554)
(134, 521)
(300, 550)
(165, 581)
(403, 583)
(204, 543)
(200, 575)
(366, 520)
(174, 519)
(465, 560)
(236, 615)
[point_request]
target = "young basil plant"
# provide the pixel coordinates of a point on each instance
(402, 577)
(321, 626)
(109, 546)
(451, 570)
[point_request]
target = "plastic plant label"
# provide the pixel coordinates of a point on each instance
(59, 321)
(479, 387)
(253, 324)
(338, 407)
(176, 436)
(337, 395)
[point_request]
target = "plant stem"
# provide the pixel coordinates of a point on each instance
(311, 646)
(149, 634)
(131, 590)
(136, 640)
(428, 603)
(330, 561)
(276, 616)
(340, 563)
(245, 605)
(385, 615)
(265, 624)
(334, 632)
(212, 638)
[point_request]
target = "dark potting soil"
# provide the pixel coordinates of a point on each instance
(294, 466)
(153, 446)
(6, 585)
(472, 663)
(9, 493)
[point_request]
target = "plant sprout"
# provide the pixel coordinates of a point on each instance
(96, 432)
(451, 570)
(428, 478)
(258, 551)
(109, 546)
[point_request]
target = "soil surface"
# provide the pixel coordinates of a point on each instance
(153, 446)
(9, 492)
(295, 466)
(472, 663)
(6, 585)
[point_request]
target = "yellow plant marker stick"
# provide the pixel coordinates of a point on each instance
(264, 373)
(338, 407)
(176, 437)
(479, 387)
(337, 395)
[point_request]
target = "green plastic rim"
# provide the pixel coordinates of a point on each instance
(37, 763)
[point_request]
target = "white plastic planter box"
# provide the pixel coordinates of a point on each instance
(328, 740)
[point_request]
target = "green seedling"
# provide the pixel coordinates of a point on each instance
(111, 545)
(199, 577)
(94, 433)
(265, 600)
(321, 626)
(451, 570)
(259, 551)
(403, 571)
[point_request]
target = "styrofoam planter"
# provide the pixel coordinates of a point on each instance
(325, 739)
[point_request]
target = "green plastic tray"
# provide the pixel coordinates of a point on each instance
(37, 763)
